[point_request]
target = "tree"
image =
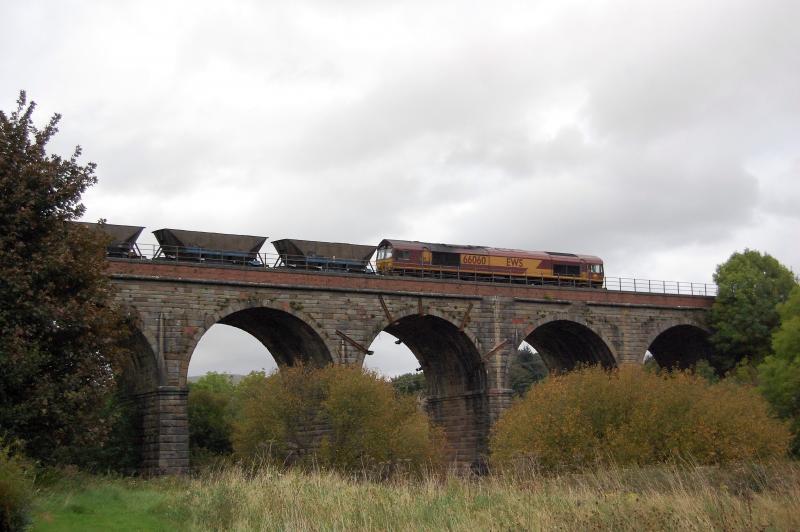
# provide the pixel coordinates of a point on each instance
(59, 336)
(779, 375)
(744, 313)
(526, 369)
(409, 384)
(210, 413)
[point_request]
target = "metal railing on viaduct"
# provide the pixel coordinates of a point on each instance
(464, 333)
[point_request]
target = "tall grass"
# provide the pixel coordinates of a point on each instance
(742, 497)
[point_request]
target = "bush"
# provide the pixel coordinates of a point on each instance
(339, 417)
(632, 416)
(210, 410)
(16, 490)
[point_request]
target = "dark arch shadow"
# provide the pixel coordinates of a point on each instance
(137, 388)
(288, 338)
(456, 383)
(565, 344)
(448, 357)
(681, 346)
(140, 371)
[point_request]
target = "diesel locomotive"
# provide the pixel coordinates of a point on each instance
(404, 257)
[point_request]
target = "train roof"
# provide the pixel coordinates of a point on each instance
(120, 234)
(484, 250)
(212, 241)
(314, 248)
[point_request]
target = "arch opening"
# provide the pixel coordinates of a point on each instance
(564, 344)
(287, 338)
(238, 344)
(525, 369)
(455, 382)
(392, 359)
(448, 358)
(682, 346)
(228, 350)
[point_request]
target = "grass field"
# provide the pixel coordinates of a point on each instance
(751, 497)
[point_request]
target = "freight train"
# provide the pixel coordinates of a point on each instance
(394, 257)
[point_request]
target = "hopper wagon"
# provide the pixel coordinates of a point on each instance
(216, 248)
(121, 239)
(323, 256)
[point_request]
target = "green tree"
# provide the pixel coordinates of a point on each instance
(409, 383)
(779, 374)
(211, 412)
(526, 369)
(59, 336)
(744, 313)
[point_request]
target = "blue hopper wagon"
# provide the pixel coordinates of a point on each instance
(214, 248)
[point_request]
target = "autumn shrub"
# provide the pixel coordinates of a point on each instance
(336, 417)
(16, 489)
(632, 416)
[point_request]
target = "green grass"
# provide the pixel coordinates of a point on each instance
(744, 497)
(98, 503)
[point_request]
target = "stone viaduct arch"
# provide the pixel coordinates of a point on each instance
(463, 333)
(285, 330)
(450, 356)
(680, 344)
(566, 341)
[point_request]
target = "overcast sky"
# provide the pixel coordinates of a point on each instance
(661, 136)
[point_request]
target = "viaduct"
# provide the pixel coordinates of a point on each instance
(464, 335)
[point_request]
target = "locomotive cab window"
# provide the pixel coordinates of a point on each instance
(566, 269)
(402, 255)
(384, 253)
(596, 268)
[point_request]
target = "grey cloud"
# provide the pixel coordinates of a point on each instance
(661, 136)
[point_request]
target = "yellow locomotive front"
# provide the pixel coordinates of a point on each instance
(383, 258)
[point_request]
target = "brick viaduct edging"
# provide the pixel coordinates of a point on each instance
(464, 334)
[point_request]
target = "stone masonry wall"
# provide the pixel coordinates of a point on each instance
(465, 334)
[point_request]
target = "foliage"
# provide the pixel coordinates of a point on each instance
(337, 416)
(211, 408)
(410, 384)
(703, 368)
(736, 497)
(16, 489)
(214, 382)
(632, 416)
(744, 316)
(59, 336)
(779, 375)
(120, 451)
(526, 369)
